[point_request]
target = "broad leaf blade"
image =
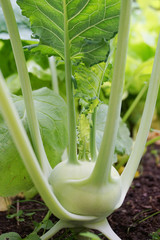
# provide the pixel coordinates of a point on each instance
(51, 112)
(91, 23)
(47, 21)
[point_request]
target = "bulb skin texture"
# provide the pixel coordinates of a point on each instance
(78, 195)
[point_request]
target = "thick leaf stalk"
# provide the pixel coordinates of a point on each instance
(137, 152)
(52, 64)
(93, 147)
(102, 170)
(69, 92)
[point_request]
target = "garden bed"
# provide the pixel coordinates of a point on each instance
(137, 219)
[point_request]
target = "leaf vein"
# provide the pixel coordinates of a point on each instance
(79, 11)
(47, 29)
(53, 7)
(92, 26)
(102, 29)
(54, 23)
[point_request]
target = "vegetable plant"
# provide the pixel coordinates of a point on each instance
(80, 192)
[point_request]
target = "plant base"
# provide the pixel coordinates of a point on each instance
(102, 226)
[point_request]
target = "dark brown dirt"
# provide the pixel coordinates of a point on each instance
(137, 219)
(139, 215)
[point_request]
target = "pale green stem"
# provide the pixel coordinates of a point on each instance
(28, 156)
(135, 102)
(69, 93)
(103, 227)
(25, 84)
(102, 169)
(56, 228)
(137, 152)
(52, 65)
(93, 147)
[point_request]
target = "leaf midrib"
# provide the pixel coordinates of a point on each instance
(62, 13)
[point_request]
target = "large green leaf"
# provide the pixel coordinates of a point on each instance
(91, 23)
(51, 113)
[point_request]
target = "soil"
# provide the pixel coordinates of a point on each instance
(137, 219)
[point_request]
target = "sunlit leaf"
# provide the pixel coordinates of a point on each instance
(91, 24)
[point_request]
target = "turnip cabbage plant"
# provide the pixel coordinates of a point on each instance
(80, 193)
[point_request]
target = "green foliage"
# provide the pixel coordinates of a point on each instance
(37, 64)
(8, 65)
(16, 236)
(51, 113)
(18, 215)
(10, 236)
(90, 25)
(32, 236)
(45, 225)
(141, 44)
(155, 235)
(39, 76)
(141, 76)
(141, 50)
(123, 141)
(89, 80)
(89, 84)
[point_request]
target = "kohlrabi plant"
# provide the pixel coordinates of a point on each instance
(80, 192)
